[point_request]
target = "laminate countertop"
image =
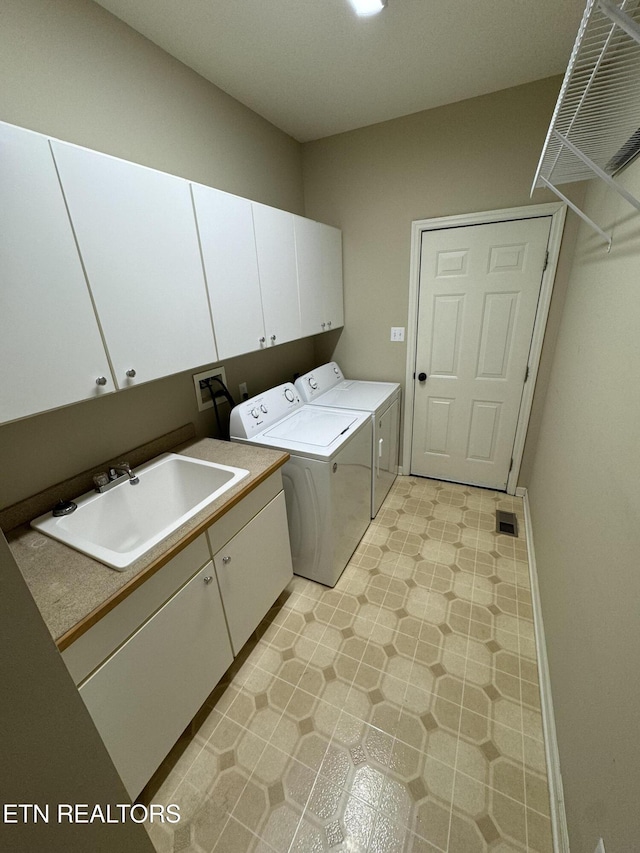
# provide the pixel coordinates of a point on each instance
(73, 591)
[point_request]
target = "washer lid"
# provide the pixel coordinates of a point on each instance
(358, 394)
(314, 427)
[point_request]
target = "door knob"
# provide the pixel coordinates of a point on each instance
(422, 377)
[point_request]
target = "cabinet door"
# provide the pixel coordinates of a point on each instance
(319, 260)
(225, 225)
(51, 352)
(144, 695)
(275, 245)
(137, 237)
(331, 239)
(309, 261)
(253, 568)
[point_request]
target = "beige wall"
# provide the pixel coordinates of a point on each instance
(585, 504)
(71, 70)
(475, 155)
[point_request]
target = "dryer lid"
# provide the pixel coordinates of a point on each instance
(358, 394)
(314, 427)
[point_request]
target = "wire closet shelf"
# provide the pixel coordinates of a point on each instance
(595, 128)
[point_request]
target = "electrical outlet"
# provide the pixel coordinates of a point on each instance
(203, 395)
(600, 846)
(242, 388)
(397, 333)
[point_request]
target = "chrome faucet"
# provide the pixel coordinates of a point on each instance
(120, 469)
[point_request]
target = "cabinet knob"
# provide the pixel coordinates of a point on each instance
(323, 325)
(131, 373)
(273, 337)
(262, 339)
(101, 380)
(329, 324)
(208, 579)
(226, 560)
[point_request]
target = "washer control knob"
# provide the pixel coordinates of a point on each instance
(313, 383)
(336, 371)
(263, 409)
(289, 395)
(255, 413)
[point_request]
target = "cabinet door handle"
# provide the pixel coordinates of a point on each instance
(208, 579)
(226, 560)
(101, 380)
(131, 373)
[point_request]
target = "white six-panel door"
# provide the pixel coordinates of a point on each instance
(479, 288)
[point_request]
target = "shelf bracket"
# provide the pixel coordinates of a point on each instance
(620, 18)
(577, 210)
(633, 201)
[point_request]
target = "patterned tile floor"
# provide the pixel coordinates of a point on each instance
(398, 711)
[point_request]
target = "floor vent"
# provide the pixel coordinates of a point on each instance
(506, 522)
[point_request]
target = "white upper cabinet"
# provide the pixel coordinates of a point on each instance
(276, 249)
(319, 260)
(225, 224)
(137, 237)
(51, 352)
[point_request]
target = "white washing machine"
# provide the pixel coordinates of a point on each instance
(327, 480)
(326, 386)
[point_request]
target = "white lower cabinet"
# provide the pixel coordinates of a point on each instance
(253, 568)
(147, 666)
(143, 696)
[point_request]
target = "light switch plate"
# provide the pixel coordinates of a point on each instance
(397, 333)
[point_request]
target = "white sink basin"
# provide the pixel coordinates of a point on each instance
(120, 525)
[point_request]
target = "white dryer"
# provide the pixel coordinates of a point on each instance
(327, 480)
(326, 386)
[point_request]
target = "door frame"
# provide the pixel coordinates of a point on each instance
(557, 212)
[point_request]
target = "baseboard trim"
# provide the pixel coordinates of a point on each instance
(558, 815)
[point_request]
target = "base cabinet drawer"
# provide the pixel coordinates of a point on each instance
(253, 568)
(146, 693)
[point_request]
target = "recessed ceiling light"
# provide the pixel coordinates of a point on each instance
(368, 7)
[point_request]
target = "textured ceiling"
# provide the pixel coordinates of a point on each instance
(313, 68)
